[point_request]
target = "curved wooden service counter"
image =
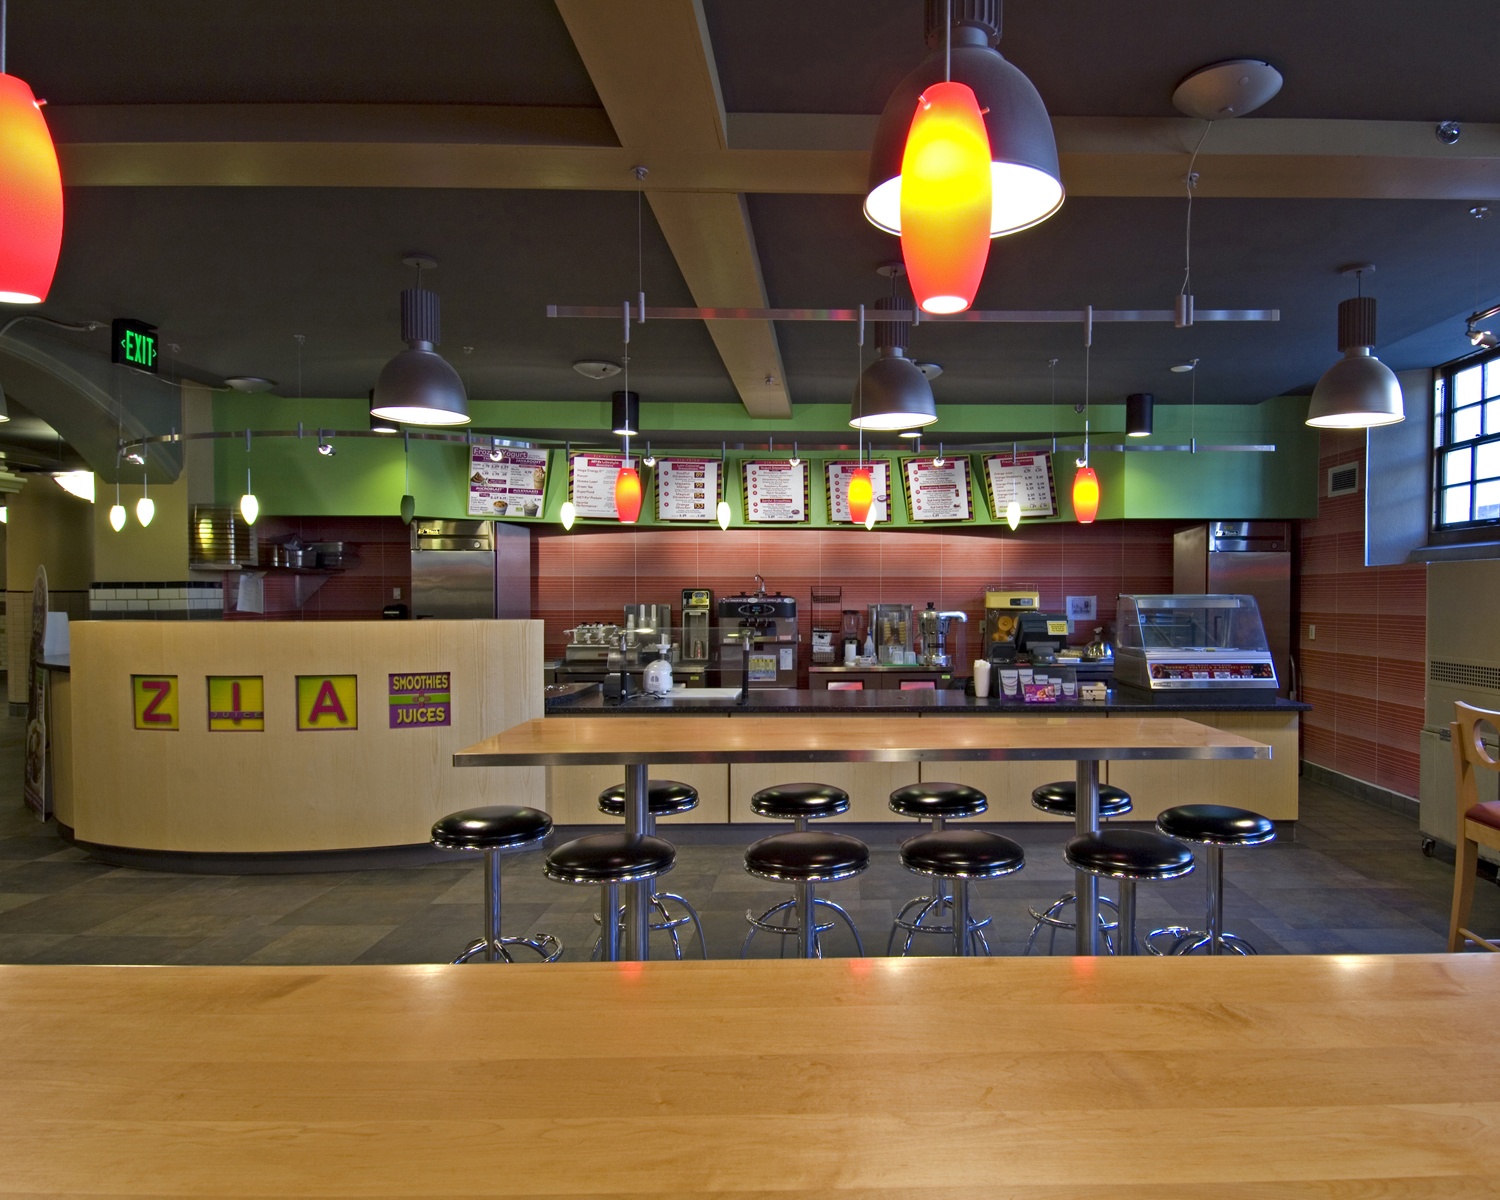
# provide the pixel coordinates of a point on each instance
(176, 793)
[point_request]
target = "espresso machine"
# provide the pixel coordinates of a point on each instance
(697, 614)
(939, 641)
(767, 626)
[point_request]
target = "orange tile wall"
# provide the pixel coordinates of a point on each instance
(587, 575)
(1364, 673)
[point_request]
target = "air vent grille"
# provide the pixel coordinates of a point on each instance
(1465, 674)
(1343, 480)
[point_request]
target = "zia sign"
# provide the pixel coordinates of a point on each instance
(421, 699)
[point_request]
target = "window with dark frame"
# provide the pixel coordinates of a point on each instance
(1466, 449)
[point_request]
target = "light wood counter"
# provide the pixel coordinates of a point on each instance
(1033, 1079)
(281, 790)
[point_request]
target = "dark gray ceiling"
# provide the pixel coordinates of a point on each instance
(231, 274)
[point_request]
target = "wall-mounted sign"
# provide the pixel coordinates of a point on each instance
(326, 702)
(506, 482)
(134, 344)
(236, 704)
(938, 493)
(420, 699)
(591, 484)
(688, 489)
(837, 480)
(775, 491)
(155, 698)
(1025, 478)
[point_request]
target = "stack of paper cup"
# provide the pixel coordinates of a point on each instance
(981, 678)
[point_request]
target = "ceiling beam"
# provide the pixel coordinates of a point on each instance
(652, 65)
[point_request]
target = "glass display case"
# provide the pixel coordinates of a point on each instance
(1183, 643)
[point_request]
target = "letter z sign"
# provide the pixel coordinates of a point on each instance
(155, 698)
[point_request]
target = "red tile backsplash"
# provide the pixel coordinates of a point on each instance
(1364, 674)
(378, 554)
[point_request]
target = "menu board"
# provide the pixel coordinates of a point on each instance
(687, 489)
(591, 484)
(1024, 477)
(775, 490)
(506, 482)
(837, 479)
(938, 492)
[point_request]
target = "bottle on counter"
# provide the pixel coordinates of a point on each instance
(870, 646)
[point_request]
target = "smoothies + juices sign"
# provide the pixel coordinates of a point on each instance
(421, 699)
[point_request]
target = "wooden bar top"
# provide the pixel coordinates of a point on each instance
(553, 741)
(1034, 1079)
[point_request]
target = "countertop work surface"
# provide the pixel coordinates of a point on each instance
(1276, 1076)
(648, 738)
(589, 701)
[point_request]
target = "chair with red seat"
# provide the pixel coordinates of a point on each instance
(1478, 823)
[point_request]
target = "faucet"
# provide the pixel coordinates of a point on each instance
(760, 586)
(749, 628)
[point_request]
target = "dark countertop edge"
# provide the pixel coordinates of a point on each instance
(61, 663)
(911, 703)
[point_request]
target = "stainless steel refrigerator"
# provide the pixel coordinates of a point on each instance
(465, 569)
(1251, 558)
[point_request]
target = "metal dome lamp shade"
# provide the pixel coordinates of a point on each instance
(892, 393)
(31, 200)
(418, 387)
(1026, 184)
(1358, 391)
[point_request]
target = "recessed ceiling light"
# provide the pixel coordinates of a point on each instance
(593, 368)
(250, 383)
(930, 370)
(1181, 368)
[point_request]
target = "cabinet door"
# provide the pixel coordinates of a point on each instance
(573, 792)
(1006, 785)
(1269, 788)
(869, 786)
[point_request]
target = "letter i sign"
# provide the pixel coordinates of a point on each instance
(326, 702)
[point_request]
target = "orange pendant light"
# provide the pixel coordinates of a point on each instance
(1085, 495)
(627, 495)
(31, 203)
(861, 494)
(946, 199)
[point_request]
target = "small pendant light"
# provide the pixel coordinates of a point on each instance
(627, 494)
(722, 511)
(861, 494)
(249, 505)
(1139, 414)
(1086, 482)
(145, 507)
(408, 501)
(568, 513)
(1013, 515)
(117, 510)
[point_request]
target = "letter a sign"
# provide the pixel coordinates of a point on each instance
(326, 702)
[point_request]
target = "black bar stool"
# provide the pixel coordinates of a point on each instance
(495, 832)
(798, 803)
(804, 860)
(1061, 800)
(938, 803)
(664, 798)
(1214, 826)
(960, 855)
(607, 860)
(1128, 855)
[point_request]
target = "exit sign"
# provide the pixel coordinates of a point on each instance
(135, 344)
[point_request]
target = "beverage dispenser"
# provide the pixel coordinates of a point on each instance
(697, 613)
(766, 626)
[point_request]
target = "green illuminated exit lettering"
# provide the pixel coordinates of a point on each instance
(134, 344)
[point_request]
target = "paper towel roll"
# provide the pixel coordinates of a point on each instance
(981, 677)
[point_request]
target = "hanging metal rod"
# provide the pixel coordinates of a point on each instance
(1058, 316)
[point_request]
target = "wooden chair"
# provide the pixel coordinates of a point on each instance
(1478, 824)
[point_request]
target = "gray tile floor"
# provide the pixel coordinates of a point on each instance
(1350, 878)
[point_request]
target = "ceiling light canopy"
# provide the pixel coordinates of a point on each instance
(1025, 183)
(892, 393)
(596, 368)
(31, 202)
(418, 387)
(1230, 88)
(1359, 391)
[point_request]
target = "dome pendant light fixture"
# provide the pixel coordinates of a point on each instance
(1359, 391)
(418, 387)
(892, 393)
(1025, 183)
(31, 199)
(945, 199)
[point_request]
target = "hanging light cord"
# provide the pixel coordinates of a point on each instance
(3, 23)
(1192, 183)
(947, 46)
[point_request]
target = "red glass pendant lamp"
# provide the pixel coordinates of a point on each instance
(946, 199)
(627, 494)
(861, 494)
(31, 205)
(1085, 495)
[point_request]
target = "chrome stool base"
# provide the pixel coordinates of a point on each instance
(1189, 941)
(765, 924)
(929, 920)
(1050, 920)
(546, 946)
(668, 923)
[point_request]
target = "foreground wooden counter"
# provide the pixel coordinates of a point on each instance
(1037, 1079)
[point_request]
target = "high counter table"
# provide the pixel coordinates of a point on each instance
(638, 742)
(1115, 1079)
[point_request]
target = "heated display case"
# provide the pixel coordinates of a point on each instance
(1186, 643)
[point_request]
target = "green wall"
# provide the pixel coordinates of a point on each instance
(367, 476)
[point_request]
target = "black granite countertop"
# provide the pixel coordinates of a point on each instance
(589, 701)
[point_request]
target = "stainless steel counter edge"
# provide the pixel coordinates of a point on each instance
(573, 758)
